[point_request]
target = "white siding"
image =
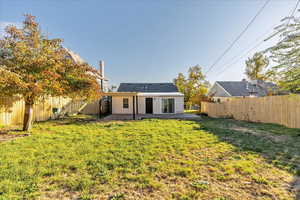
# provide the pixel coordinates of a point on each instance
(157, 105)
(141, 104)
(179, 104)
(117, 104)
(217, 91)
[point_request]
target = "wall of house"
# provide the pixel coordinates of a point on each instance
(117, 104)
(157, 104)
(217, 91)
(179, 104)
(141, 105)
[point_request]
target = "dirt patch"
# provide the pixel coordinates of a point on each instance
(5, 137)
(295, 187)
(273, 137)
(69, 121)
(126, 117)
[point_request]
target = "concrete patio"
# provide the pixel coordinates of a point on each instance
(150, 116)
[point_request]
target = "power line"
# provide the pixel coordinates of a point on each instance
(230, 64)
(236, 58)
(239, 36)
(293, 12)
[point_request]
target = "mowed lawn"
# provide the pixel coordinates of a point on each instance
(211, 159)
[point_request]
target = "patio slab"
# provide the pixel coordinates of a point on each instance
(151, 116)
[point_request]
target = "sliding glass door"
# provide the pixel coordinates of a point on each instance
(168, 105)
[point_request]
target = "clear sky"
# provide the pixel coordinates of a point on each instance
(153, 40)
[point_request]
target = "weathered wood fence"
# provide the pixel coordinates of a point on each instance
(93, 107)
(284, 110)
(12, 112)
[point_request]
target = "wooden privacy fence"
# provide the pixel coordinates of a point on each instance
(12, 112)
(93, 107)
(284, 110)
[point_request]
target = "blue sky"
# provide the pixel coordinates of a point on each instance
(153, 40)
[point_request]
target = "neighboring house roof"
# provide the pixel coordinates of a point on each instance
(245, 88)
(78, 60)
(147, 87)
(75, 57)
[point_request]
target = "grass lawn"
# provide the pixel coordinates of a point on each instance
(192, 111)
(212, 159)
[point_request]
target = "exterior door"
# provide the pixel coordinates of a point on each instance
(168, 105)
(149, 105)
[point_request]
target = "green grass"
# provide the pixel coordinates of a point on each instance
(150, 159)
(192, 111)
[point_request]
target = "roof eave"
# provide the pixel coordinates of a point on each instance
(223, 88)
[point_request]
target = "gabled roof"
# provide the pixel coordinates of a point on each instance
(75, 57)
(78, 60)
(147, 87)
(245, 88)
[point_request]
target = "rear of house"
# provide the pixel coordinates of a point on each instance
(148, 98)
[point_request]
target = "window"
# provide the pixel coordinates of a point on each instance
(168, 105)
(125, 103)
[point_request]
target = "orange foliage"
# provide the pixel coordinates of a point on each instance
(33, 66)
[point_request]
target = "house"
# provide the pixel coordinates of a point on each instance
(223, 90)
(102, 80)
(101, 105)
(147, 98)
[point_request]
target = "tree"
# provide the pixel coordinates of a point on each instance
(33, 67)
(194, 85)
(112, 88)
(255, 67)
(180, 82)
(286, 56)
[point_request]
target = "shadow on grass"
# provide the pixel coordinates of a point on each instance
(68, 120)
(76, 119)
(72, 120)
(279, 145)
(11, 134)
(5, 131)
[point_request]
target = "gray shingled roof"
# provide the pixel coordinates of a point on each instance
(245, 88)
(147, 87)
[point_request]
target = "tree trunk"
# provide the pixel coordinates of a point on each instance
(28, 116)
(189, 106)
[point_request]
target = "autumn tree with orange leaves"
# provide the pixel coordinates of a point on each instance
(33, 67)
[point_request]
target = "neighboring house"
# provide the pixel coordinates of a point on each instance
(147, 98)
(97, 107)
(103, 81)
(74, 56)
(223, 90)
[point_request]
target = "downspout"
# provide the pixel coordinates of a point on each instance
(133, 108)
